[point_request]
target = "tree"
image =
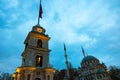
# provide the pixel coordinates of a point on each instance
(60, 75)
(5, 76)
(114, 73)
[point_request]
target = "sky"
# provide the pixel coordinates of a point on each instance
(93, 24)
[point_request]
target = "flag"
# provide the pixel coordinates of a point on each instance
(40, 11)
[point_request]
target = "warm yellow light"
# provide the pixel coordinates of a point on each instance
(39, 60)
(50, 70)
(39, 36)
(18, 70)
(39, 29)
(14, 75)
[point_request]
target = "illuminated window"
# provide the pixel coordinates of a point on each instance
(39, 43)
(39, 61)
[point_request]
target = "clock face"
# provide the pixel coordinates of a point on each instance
(39, 29)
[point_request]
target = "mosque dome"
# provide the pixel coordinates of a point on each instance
(88, 58)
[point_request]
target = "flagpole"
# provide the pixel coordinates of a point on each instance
(38, 20)
(39, 14)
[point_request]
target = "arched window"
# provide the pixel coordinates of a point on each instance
(39, 43)
(100, 76)
(23, 59)
(48, 77)
(26, 45)
(103, 75)
(39, 61)
(28, 77)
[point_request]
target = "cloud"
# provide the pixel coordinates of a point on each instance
(9, 64)
(9, 4)
(88, 24)
(92, 24)
(12, 3)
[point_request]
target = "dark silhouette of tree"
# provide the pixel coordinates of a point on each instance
(73, 73)
(114, 73)
(60, 75)
(5, 76)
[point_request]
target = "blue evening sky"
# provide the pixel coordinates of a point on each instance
(93, 24)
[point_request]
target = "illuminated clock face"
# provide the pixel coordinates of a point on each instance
(39, 29)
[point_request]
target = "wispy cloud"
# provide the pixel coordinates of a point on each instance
(92, 24)
(9, 64)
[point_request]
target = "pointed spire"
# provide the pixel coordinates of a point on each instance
(67, 64)
(64, 47)
(83, 51)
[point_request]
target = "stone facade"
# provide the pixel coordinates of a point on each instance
(92, 69)
(35, 57)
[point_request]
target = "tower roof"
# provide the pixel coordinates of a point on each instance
(39, 29)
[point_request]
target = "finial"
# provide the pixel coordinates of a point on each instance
(64, 47)
(83, 52)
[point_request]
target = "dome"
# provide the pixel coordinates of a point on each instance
(86, 58)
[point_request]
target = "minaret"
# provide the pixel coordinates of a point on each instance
(67, 65)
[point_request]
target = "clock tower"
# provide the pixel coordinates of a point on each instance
(35, 57)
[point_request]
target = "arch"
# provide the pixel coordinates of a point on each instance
(28, 77)
(37, 79)
(39, 60)
(39, 43)
(48, 77)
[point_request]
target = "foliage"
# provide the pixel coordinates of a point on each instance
(5, 76)
(115, 73)
(60, 75)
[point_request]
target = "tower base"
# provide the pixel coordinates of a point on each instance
(34, 73)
